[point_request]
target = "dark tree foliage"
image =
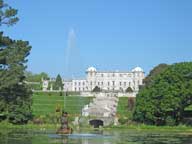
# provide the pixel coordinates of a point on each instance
(96, 89)
(129, 90)
(58, 84)
(15, 96)
(8, 15)
(18, 98)
(170, 90)
(155, 71)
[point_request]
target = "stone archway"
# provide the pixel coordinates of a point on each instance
(96, 123)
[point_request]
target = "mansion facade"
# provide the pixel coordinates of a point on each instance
(106, 80)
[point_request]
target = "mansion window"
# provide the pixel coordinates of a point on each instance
(120, 75)
(113, 83)
(129, 84)
(108, 83)
(120, 83)
(101, 83)
(90, 83)
(75, 83)
(79, 83)
(102, 75)
(124, 83)
(113, 75)
(98, 83)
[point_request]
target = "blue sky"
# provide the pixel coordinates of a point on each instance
(110, 34)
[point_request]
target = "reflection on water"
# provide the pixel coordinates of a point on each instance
(95, 137)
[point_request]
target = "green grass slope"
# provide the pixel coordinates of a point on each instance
(45, 103)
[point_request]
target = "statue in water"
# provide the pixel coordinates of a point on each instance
(64, 129)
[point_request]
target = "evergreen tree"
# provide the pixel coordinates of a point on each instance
(13, 91)
(129, 90)
(58, 85)
(15, 96)
(7, 14)
(96, 89)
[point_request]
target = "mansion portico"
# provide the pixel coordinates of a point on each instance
(105, 80)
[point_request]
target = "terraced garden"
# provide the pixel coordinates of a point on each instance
(47, 103)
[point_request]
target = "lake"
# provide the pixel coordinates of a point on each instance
(94, 137)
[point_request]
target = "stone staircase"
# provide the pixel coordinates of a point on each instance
(103, 107)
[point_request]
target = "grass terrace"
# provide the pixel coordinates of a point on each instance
(48, 103)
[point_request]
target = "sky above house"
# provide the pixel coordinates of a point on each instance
(67, 36)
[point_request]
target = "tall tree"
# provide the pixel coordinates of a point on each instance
(14, 93)
(58, 85)
(15, 96)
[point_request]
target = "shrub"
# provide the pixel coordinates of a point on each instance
(123, 120)
(129, 90)
(170, 121)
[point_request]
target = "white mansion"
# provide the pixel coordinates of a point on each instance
(106, 80)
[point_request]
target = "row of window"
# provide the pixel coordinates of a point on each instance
(80, 89)
(108, 88)
(108, 83)
(79, 83)
(113, 83)
(114, 75)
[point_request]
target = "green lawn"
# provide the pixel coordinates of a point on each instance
(45, 103)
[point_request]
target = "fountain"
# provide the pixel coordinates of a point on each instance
(71, 65)
(64, 129)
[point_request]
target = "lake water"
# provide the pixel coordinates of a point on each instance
(94, 137)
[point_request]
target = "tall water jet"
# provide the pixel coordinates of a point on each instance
(68, 54)
(73, 60)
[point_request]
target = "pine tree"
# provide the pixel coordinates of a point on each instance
(8, 15)
(15, 96)
(58, 85)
